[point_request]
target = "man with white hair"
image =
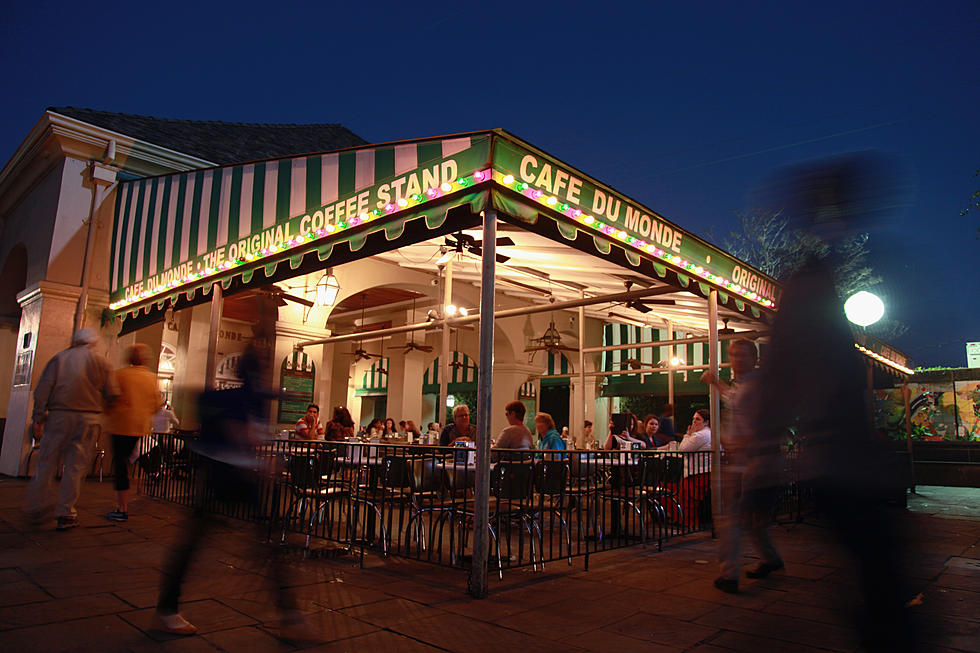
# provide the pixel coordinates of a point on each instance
(69, 399)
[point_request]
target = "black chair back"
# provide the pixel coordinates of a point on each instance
(673, 469)
(512, 481)
(551, 476)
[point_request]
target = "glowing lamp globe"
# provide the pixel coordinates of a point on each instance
(864, 308)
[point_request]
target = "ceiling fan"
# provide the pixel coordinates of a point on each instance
(280, 296)
(461, 242)
(643, 305)
(411, 344)
(458, 364)
(360, 353)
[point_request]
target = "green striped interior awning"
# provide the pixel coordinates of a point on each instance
(463, 372)
(527, 391)
(623, 359)
(374, 382)
(557, 363)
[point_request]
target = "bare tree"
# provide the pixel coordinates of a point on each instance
(767, 242)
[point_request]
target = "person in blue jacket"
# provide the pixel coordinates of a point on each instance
(548, 438)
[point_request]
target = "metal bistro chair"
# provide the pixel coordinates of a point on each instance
(659, 488)
(584, 493)
(623, 491)
(394, 487)
(512, 485)
(429, 495)
(308, 482)
(551, 483)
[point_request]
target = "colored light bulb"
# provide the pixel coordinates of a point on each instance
(508, 179)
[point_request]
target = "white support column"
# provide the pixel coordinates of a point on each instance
(215, 327)
(715, 410)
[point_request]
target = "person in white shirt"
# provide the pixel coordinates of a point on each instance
(697, 438)
(164, 419)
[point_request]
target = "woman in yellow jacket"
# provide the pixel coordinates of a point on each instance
(129, 418)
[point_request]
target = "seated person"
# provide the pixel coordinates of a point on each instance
(651, 433)
(548, 437)
(626, 438)
(515, 435)
(666, 418)
(460, 429)
(697, 438)
(375, 428)
(588, 437)
(340, 427)
(309, 426)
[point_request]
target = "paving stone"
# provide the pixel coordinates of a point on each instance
(385, 614)
(732, 641)
(662, 630)
(377, 641)
(345, 595)
(334, 626)
(969, 583)
(456, 633)
(208, 616)
(22, 592)
(52, 611)
(810, 612)
(602, 641)
(96, 634)
(751, 595)
(780, 628)
(251, 639)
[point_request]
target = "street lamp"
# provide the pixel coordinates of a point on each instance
(864, 308)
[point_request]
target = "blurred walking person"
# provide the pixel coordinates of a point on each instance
(750, 474)
(814, 381)
(129, 419)
(74, 389)
(232, 424)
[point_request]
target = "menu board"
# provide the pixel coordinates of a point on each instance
(296, 389)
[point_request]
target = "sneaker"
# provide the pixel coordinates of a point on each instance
(727, 585)
(67, 522)
(174, 624)
(764, 569)
(117, 515)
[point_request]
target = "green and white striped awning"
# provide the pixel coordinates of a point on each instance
(527, 391)
(374, 382)
(633, 383)
(177, 234)
(557, 364)
(462, 375)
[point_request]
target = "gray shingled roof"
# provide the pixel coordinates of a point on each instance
(221, 142)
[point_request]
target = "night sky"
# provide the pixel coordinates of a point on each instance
(685, 109)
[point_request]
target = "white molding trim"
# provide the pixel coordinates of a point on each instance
(90, 141)
(48, 290)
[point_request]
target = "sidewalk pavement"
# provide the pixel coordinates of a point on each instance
(94, 588)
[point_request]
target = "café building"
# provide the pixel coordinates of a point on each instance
(405, 277)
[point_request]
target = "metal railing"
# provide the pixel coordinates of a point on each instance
(417, 501)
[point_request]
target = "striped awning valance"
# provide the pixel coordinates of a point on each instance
(557, 364)
(462, 378)
(626, 359)
(527, 391)
(374, 381)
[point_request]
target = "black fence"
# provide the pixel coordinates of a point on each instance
(417, 501)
